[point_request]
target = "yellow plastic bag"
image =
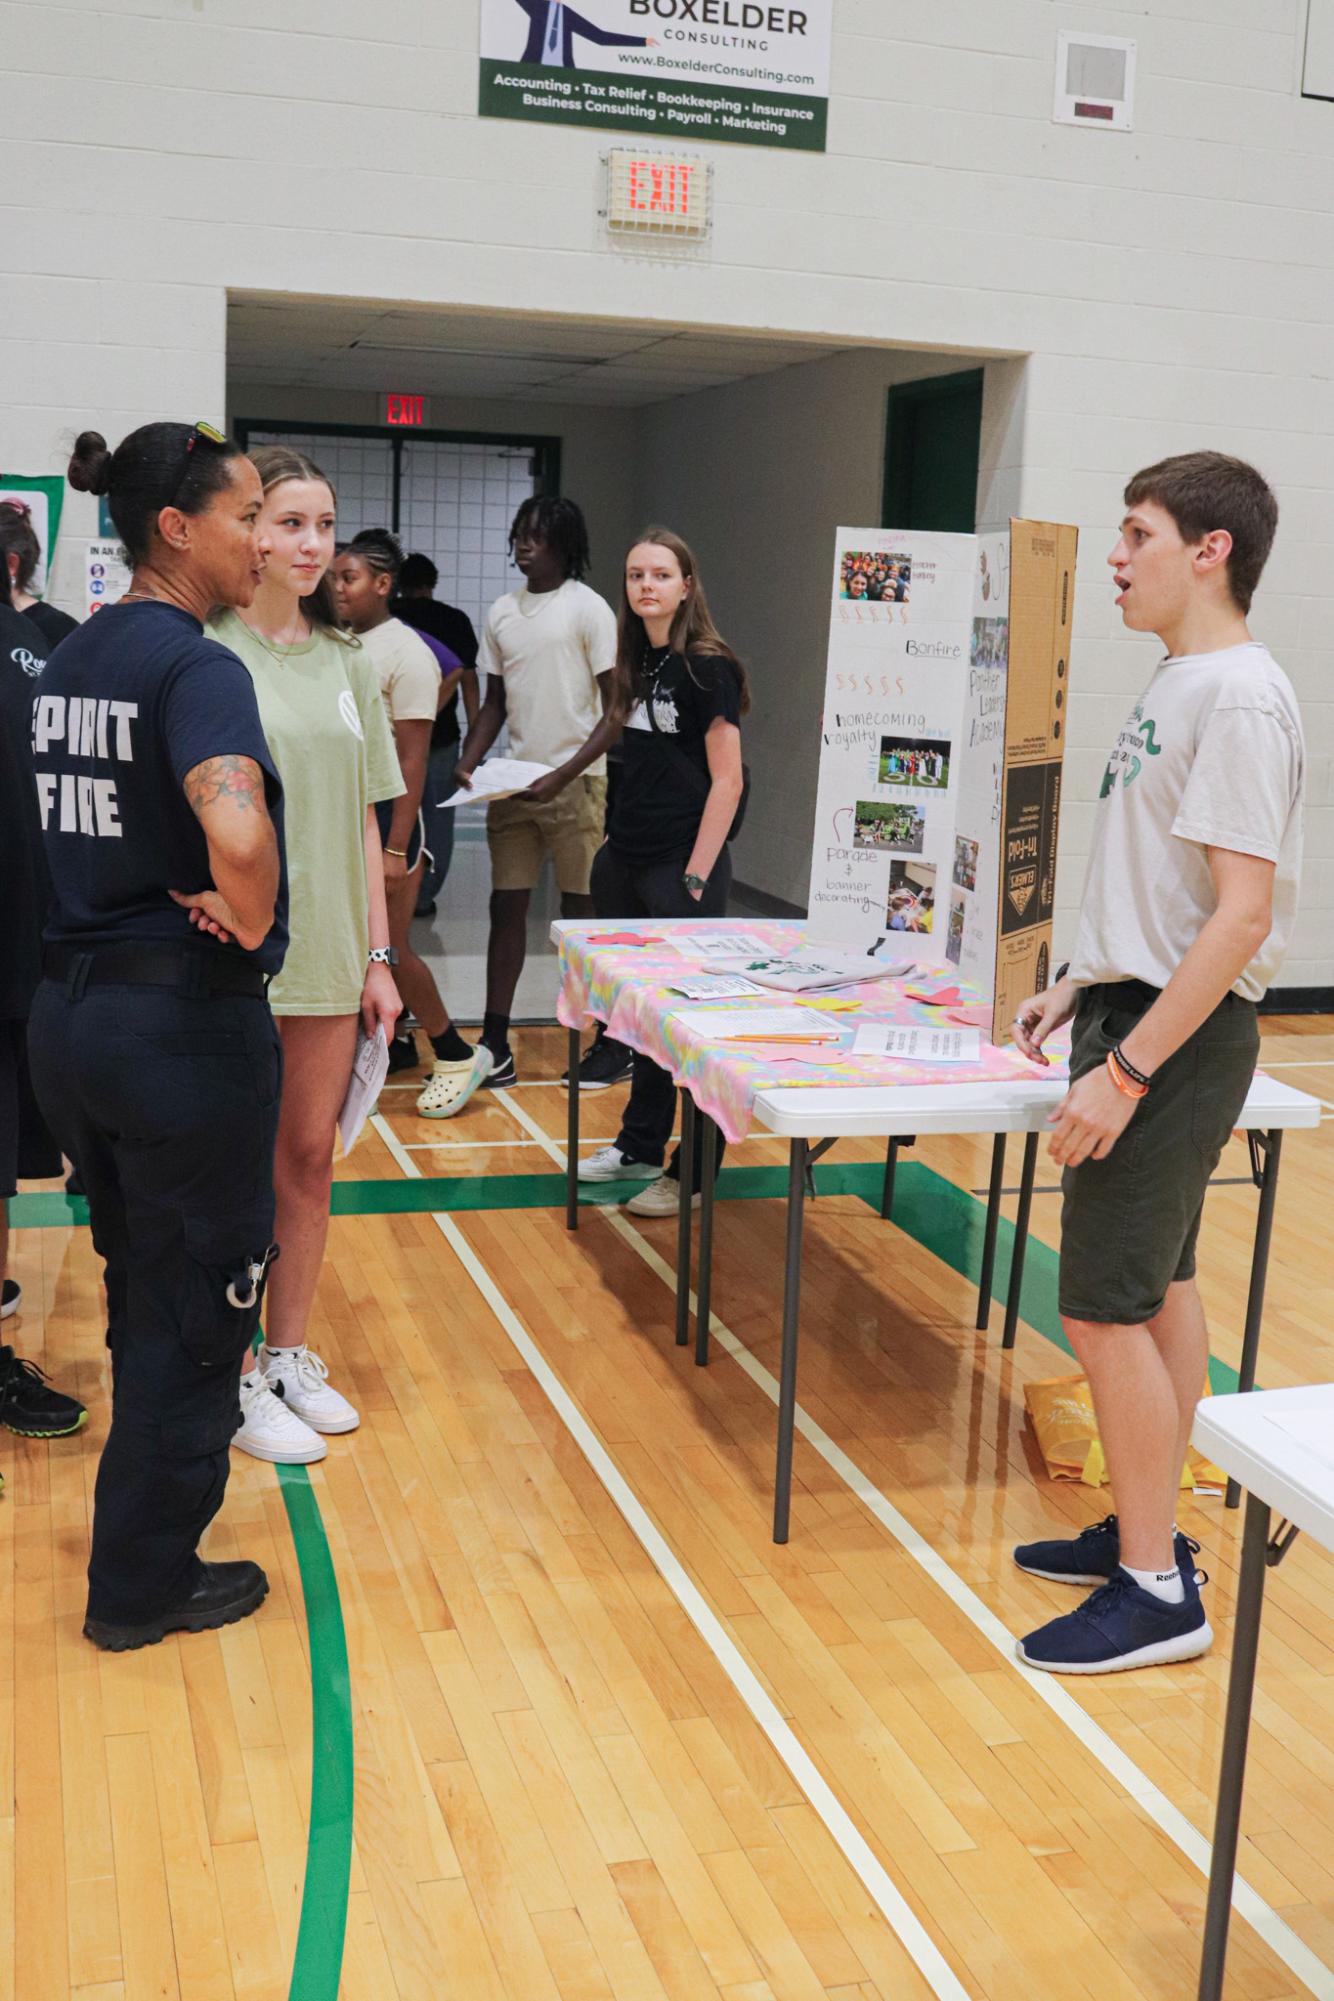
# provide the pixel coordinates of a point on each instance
(1061, 1413)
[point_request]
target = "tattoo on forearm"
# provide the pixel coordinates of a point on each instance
(238, 779)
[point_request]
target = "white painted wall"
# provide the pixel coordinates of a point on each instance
(1171, 285)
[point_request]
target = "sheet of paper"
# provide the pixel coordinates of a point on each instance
(370, 1067)
(810, 972)
(713, 945)
(1313, 1430)
(726, 1024)
(498, 778)
(917, 1045)
(714, 986)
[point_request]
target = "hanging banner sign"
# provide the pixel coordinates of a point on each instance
(940, 765)
(746, 71)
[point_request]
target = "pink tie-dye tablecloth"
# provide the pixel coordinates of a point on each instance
(629, 987)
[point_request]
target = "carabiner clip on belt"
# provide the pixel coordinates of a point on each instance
(246, 1289)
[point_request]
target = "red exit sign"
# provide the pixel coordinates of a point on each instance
(403, 412)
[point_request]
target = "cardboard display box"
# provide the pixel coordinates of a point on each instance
(939, 798)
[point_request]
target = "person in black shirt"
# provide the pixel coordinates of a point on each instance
(21, 552)
(679, 693)
(154, 1055)
(417, 607)
(27, 1403)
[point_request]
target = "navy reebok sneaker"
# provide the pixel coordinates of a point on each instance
(1121, 1626)
(1092, 1556)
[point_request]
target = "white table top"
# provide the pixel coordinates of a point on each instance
(1240, 1434)
(846, 1111)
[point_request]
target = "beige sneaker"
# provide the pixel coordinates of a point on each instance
(450, 1085)
(660, 1198)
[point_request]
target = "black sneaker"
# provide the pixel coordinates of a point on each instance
(503, 1071)
(1092, 1556)
(28, 1404)
(1120, 1626)
(607, 1062)
(403, 1054)
(11, 1294)
(224, 1593)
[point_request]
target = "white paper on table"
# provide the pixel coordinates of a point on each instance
(370, 1067)
(808, 972)
(498, 778)
(725, 1024)
(917, 1045)
(714, 986)
(1313, 1429)
(713, 945)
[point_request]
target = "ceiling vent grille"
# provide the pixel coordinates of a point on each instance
(1095, 80)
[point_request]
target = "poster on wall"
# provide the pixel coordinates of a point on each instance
(106, 575)
(42, 495)
(745, 71)
(940, 768)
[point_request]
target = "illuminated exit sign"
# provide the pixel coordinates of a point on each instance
(664, 195)
(403, 412)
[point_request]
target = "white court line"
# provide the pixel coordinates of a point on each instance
(1263, 1919)
(879, 1885)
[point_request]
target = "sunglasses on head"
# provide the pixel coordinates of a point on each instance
(211, 435)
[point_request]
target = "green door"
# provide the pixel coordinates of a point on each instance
(931, 452)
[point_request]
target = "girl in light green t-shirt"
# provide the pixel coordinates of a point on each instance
(319, 702)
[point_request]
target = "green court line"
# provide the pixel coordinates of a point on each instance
(318, 1962)
(945, 1220)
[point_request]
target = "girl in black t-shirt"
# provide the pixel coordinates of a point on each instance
(678, 694)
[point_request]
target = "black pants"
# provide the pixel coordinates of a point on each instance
(170, 1107)
(621, 888)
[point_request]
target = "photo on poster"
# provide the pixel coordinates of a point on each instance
(954, 933)
(869, 577)
(894, 829)
(918, 761)
(965, 863)
(912, 896)
(990, 643)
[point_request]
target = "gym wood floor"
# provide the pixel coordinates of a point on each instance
(607, 1740)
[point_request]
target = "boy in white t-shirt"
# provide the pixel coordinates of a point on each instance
(548, 651)
(1188, 905)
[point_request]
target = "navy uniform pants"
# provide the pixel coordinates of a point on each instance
(170, 1106)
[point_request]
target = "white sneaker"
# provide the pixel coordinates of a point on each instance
(450, 1085)
(660, 1198)
(269, 1430)
(610, 1164)
(302, 1381)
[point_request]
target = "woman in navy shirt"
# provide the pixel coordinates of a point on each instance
(154, 1055)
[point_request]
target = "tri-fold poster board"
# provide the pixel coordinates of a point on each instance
(940, 764)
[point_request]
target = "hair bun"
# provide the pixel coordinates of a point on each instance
(90, 464)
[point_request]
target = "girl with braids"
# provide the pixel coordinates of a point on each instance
(319, 702)
(365, 577)
(679, 693)
(548, 651)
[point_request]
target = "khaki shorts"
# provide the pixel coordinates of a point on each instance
(520, 835)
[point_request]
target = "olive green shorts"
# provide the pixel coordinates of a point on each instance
(1129, 1223)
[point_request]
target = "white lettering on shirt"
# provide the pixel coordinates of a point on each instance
(88, 804)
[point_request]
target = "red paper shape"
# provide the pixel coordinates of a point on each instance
(622, 938)
(947, 997)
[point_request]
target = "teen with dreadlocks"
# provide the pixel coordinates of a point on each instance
(548, 651)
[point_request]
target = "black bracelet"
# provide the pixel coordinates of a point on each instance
(1135, 1076)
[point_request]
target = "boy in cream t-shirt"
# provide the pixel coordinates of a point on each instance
(548, 651)
(1187, 908)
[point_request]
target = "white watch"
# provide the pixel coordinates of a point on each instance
(382, 955)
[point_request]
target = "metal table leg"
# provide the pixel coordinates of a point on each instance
(1020, 1239)
(1266, 1149)
(1236, 1731)
(891, 1168)
(787, 1380)
(572, 1135)
(687, 1162)
(989, 1236)
(708, 1179)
